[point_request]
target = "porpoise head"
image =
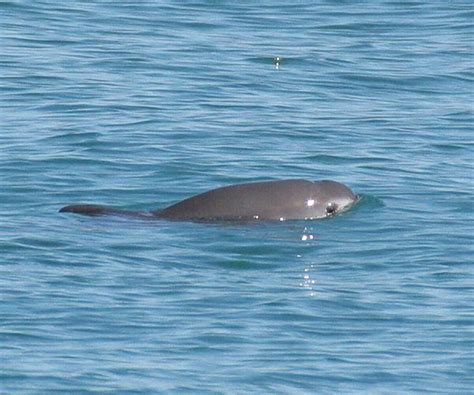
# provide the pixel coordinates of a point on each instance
(330, 198)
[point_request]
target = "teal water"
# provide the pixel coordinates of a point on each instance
(140, 104)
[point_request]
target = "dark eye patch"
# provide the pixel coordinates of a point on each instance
(331, 208)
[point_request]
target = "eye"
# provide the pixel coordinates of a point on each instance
(331, 208)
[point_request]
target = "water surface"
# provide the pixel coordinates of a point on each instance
(141, 104)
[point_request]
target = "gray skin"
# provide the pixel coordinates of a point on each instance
(268, 201)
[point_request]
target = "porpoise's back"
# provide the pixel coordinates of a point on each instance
(271, 200)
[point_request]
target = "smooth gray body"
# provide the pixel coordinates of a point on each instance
(270, 200)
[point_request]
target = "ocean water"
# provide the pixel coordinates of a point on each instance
(141, 104)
